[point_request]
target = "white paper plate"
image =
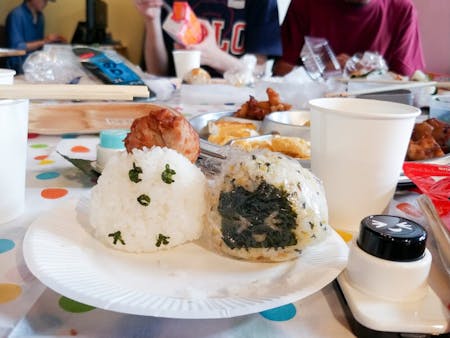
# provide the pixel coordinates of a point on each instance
(188, 281)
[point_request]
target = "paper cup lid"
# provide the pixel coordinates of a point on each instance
(392, 238)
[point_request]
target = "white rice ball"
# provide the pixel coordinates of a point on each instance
(266, 207)
(148, 200)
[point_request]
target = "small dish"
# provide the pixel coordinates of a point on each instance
(200, 122)
(200, 125)
(288, 123)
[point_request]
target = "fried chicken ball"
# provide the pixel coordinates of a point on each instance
(164, 128)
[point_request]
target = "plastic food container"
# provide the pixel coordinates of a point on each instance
(440, 107)
(319, 59)
(400, 96)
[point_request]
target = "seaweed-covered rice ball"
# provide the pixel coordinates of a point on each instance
(266, 207)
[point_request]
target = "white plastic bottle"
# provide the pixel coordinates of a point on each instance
(111, 143)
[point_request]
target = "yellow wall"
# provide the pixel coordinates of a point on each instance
(124, 22)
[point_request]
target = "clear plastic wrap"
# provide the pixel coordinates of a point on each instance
(162, 87)
(297, 88)
(54, 64)
(244, 75)
(361, 65)
(265, 207)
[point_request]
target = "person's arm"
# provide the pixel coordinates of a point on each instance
(33, 45)
(282, 67)
(155, 53)
(211, 54)
(293, 32)
(405, 54)
(16, 38)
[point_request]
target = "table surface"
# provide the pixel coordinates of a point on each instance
(28, 308)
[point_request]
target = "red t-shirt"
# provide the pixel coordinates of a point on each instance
(389, 27)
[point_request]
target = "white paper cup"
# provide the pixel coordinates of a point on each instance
(357, 148)
(7, 76)
(185, 61)
(13, 140)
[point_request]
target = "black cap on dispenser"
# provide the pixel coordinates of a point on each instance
(392, 238)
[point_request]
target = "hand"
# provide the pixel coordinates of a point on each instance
(208, 46)
(150, 9)
(211, 54)
(54, 38)
(342, 59)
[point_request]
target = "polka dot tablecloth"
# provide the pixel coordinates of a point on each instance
(28, 308)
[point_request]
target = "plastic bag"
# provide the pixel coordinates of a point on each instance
(361, 65)
(434, 181)
(54, 64)
(162, 87)
(244, 75)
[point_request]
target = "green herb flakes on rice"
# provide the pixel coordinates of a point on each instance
(134, 208)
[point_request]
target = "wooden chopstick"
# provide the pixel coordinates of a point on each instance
(410, 84)
(72, 92)
(439, 84)
(212, 154)
(4, 52)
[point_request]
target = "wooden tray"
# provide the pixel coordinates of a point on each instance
(85, 118)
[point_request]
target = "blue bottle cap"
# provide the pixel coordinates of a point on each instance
(113, 139)
(392, 238)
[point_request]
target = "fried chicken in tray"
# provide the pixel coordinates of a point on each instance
(256, 110)
(429, 139)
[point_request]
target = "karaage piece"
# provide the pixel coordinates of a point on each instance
(429, 139)
(164, 128)
(257, 110)
(422, 149)
(441, 133)
(420, 130)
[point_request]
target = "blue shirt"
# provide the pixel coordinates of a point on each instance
(241, 26)
(21, 29)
